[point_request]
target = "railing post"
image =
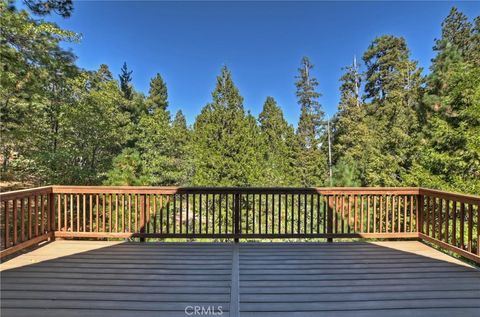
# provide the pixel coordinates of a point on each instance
(142, 216)
(51, 215)
(236, 215)
(329, 217)
(419, 213)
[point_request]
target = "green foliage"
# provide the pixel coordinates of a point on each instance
(155, 146)
(311, 163)
(449, 152)
(33, 80)
(278, 136)
(63, 8)
(352, 137)
(158, 96)
(127, 170)
(180, 138)
(125, 79)
(345, 175)
(392, 88)
(225, 140)
(449, 157)
(92, 131)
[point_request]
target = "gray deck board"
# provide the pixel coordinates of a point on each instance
(95, 278)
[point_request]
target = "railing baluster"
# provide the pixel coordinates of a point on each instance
(470, 227)
(399, 213)
(381, 213)
(462, 225)
(280, 214)
(362, 202)
(213, 213)
(478, 229)
(318, 214)
(411, 214)
(454, 224)
(22, 221)
(15, 222)
(200, 220)
(227, 228)
(174, 214)
(7, 224)
(368, 214)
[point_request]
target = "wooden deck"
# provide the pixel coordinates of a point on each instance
(95, 278)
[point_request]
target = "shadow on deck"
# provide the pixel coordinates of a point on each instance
(94, 278)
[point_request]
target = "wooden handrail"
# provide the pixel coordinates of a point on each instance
(239, 213)
(25, 192)
(468, 199)
(231, 190)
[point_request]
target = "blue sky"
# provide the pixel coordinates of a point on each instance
(262, 43)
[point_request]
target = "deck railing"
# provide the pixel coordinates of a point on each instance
(449, 220)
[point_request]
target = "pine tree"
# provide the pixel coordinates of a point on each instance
(134, 102)
(474, 52)
(225, 141)
(449, 156)
(125, 78)
(456, 31)
(453, 47)
(311, 161)
(104, 73)
(180, 139)
(351, 135)
(278, 135)
(155, 147)
(127, 170)
(392, 87)
(158, 96)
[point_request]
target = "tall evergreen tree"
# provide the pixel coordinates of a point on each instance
(104, 73)
(474, 53)
(456, 31)
(449, 157)
(278, 135)
(454, 46)
(125, 79)
(180, 139)
(225, 140)
(392, 86)
(351, 134)
(311, 160)
(134, 102)
(157, 94)
(155, 147)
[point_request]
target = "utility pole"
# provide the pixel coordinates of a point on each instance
(329, 151)
(357, 88)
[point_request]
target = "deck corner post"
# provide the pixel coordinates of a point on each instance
(51, 215)
(419, 212)
(329, 218)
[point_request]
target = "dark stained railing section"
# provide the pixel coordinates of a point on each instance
(446, 219)
(236, 213)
